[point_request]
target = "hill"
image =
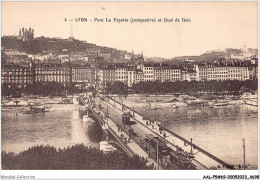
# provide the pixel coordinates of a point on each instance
(214, 55)
(72, 46)
(56, 46)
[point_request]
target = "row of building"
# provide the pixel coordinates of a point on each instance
(166, 72)
(22, 75)
(100, 77)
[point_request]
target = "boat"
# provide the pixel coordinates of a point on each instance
(236, 102)
(38, 109)
(252, 102)
(198, 103)
(26, 111)
(33, 109)
(220, 103)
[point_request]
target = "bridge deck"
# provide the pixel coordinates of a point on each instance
(202, 156)
(131, 147)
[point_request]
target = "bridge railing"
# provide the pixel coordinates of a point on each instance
(181, 138)
(123, 145)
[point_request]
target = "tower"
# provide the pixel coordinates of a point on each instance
(133, 54)
(71, 32)
(22, 32)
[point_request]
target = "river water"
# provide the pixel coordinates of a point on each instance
(55, 128)
(218, 130)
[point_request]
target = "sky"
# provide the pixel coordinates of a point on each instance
(212, 26)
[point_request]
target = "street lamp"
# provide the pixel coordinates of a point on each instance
(157, 155)
(191, 146)
(164, 134)
(107, 115)
(244, 155)
(149, 150)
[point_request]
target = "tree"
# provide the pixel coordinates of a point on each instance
(74, 157)
(118, 88)
(5, 89)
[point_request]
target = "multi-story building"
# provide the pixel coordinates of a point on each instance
(223, 72)
(15, 75)
(185, 76)
(162, 72)
(53, 72)
(130, 75)
(105, 76)
(193, 75)
(121, 73)
(252, 71)
(175, 74)
(139, 76)
(203, 72)
(148, 70)
(238, 73)
(218, 73)
(83, 75)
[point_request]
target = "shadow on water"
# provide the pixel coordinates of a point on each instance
(95, 132)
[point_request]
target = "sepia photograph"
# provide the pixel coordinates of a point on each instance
(130, 86)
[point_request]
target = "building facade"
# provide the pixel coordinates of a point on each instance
(121, 73)
(162, 73)
(148, 70)
(224, 72)
(53, 72)
(105, 75)
(83, 75)
(20, 76)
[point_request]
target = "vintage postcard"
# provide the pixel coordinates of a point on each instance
(151, 86)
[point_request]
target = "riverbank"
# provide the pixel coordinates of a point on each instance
(162, 101)
(51, 104)
(49, 107)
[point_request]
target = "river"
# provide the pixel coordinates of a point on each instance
(56, 128)
(219, 130)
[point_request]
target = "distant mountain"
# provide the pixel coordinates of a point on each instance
(72, 46)
(214, 55)
(156, 59)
